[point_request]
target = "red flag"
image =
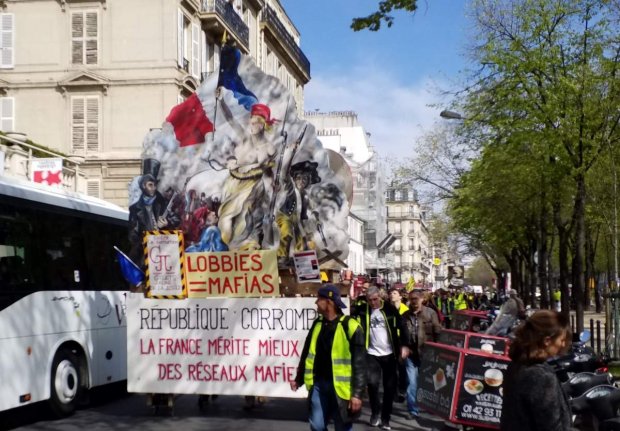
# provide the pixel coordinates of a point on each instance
(190, 122)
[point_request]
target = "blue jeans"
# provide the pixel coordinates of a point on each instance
(323, 406)
(412, 388)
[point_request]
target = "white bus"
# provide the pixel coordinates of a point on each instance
(62, 298)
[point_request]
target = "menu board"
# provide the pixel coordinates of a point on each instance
(452, 338)
(489, 344)
(437, 377)
(480, 392)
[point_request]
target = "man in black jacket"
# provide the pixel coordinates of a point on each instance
(332, 364)
(422, 325)
(386, 341)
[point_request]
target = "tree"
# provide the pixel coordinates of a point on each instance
(550, 79)
(480, 273)
(373, 21)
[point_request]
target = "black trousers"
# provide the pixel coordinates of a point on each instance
(382, 369)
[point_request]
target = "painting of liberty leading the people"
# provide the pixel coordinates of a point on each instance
(235, 168)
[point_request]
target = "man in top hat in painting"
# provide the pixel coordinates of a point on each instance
(293, 212)
(149, 212)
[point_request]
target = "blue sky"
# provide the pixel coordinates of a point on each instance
(388, 77)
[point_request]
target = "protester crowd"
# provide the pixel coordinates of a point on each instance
(373, 352)
(346, 358)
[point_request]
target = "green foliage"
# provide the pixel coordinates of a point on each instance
(373, 21)
(480, 273)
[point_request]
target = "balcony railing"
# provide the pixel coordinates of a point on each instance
(270, 18)
(404, 214)
(229, 17)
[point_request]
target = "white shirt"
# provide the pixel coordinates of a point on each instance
(379, 344)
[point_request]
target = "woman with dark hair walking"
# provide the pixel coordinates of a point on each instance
(533, 397)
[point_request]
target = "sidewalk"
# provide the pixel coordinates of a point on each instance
(400, 421)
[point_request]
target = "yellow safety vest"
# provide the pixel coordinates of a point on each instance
(459, 302)
(557, 295)
(402, 309)
(342, 370)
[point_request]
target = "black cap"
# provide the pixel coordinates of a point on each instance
(330, 291)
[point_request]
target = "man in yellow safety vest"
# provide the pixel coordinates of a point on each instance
(333, 364)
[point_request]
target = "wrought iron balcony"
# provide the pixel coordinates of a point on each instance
(221, 15)
(273, 23)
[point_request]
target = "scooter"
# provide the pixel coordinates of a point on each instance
(580, 358)
(601, 404)
(579, 388)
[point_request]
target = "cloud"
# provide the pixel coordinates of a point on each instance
(394, 113)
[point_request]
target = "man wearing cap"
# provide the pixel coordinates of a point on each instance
(332, 364)
(386, 341)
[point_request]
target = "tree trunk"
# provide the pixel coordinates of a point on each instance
(578, 248)
(562, 259)
(545, 299)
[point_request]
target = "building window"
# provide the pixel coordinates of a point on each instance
(93, 188)
(84, 124)
(397, 227)
(7, 49)
(185, 43)
(84, 45)
(7, 114)
(196, 60)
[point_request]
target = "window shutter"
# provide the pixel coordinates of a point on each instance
(216, 58)
(93, 188)
(78, 124)
(7, 114)
(84, 38)
(91, 37)
(7, 50)
(180, 38)
(85, 124)
(204, 52)
(77, 38)
(92, 124)
(195, 51)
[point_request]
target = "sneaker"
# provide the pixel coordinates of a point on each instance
(386, 426)
(412, 416)
(374, 421)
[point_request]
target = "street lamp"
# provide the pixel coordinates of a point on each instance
(451, 115)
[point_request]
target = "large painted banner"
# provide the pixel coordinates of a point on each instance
(230, 346)
(236, 169)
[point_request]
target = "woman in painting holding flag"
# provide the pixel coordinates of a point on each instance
(244, 193)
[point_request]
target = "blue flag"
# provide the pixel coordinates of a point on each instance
(131, 272)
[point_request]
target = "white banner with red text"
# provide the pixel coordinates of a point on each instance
(228, 346)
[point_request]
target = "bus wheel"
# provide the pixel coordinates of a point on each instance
(66, 384)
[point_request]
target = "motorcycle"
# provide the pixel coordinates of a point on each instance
(580, 358)
(599, 404)
(580, 388)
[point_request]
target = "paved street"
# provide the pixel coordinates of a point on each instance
(130, 412)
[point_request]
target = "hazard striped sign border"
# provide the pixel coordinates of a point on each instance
(179, 234)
